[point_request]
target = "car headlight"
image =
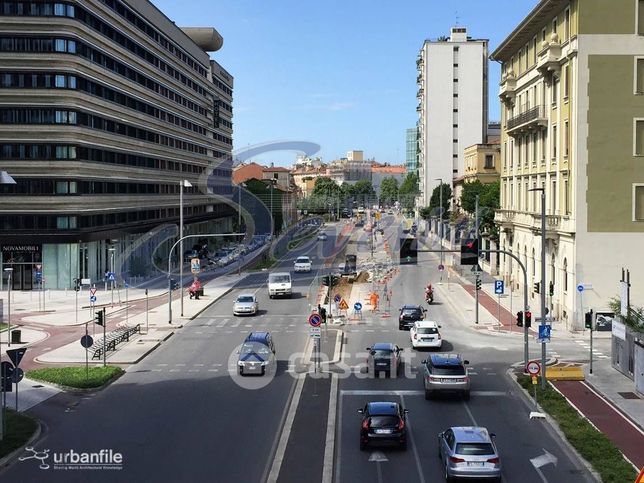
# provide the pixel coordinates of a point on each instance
(264, 363)
(240, 363)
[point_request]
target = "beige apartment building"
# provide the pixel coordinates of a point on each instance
(572, 93)
(482, 163)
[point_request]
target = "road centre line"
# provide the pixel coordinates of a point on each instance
(405, 392)
(413, 446)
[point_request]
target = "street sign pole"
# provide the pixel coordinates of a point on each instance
(499, 302)
(76, 302)
(591, 346)
(86, 356)
(147, 310)
(476, 283)
(104, 335)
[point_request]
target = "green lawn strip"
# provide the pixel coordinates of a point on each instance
(76, 377)
(3, 326)
(591, 444)
(298, 241)
(268, 263)
(19, 429)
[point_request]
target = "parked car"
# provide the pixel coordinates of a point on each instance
(408, 315)
(445, 373)
(383, 423)
(257, 354)
(469, 452)
(425, 334)
(322, 236)
(384, 357)
(302, 264)
(245, 304)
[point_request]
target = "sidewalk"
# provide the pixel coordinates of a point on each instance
(606, 398)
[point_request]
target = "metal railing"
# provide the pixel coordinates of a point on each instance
(529, 115)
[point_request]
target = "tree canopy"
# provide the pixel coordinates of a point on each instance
(389, 190)
(408, 191)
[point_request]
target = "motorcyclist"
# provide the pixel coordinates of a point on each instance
(429, 293)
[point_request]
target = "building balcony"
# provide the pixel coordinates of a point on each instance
(419, 107)
(532, 118)
(555, 224)
(549, 57)
(508, 88)
(419, 61)
(419, 79)
(420, 93)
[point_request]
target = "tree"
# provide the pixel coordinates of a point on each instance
(435, 200)
(325, 187)
(363, 187)
(468, 196)
(408, 191)
(389, 190)
(489, 201)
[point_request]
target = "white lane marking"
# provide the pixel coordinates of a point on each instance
(174, 370)
(236, 323)
(223, 322)
(198, 365)
(210, 322)
(162, 364)
(406, 392)
(180, 364)
(327, 468)
(413, 445)
(213, 370)
(193, 370)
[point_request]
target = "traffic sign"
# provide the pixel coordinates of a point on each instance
(195, 265)
(544, 333)
(441, 268)
(92, 298)
(498, 287)
(357, 306)
(315, 320)
(92, 291)
(580, 288)
(343, 305)
(86, 341)
(314, 331)
(337, 298)
(17, 375)
(16, 355)
(110, 276)
(533, 368)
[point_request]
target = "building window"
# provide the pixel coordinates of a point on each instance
(566, 81)
(639, 75)
(566, 134)
(543, 35)
(553, 197)
(534, 51)
(566, 197)
(638, 142)
(543, 147)
(553, 92)
(489, 161)
(535, 144)
(638, 202)
(565, 275)
(554, 142)
(554, 25)
(567, 24)
(640, 17)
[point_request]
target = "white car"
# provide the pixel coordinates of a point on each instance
(322, 236)
(302, 264)
(425, 334)
(245, 304)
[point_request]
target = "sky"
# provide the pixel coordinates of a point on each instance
(338, 73)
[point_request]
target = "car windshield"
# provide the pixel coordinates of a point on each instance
(448, 370)
(302, 260)
(474, 449)
(428, 330)
(412, 312)
(254, 347)
(381, 353)
(383, 421)
(279, 278)
(245, 298)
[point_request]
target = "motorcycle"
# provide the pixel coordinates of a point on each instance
(429, 296)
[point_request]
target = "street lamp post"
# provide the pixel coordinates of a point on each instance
(111, 250)
(187, 184)
(9, 283)
(440, 228)
(542, 291)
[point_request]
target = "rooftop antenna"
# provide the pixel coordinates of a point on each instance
(456, 14)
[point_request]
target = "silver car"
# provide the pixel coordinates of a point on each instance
(469, 452)
(245, 304)
(445, 373)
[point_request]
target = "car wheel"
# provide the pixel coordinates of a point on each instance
(466, 395)
(263, 371)
(448, 477)
(428, 394)
(400, 327)
(270, 296)
(241, 371)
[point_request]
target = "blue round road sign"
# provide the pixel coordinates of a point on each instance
(86, 341)
(337, 298)
(357, 306)
(580, 288)
(92, 298)
(315, 320)
(441, 268)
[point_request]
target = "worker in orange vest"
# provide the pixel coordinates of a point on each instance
(374, 301)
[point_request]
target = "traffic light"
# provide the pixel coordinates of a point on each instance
(535, 287)
(77, 284)
(173, 284)
(528, 319)
(520, 318)
(478, 284)
(588, 320)
(470, 251)
(551, 289)
(330, 280)
(408, 251)
(99, 317)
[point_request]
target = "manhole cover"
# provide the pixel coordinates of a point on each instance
(628, 395)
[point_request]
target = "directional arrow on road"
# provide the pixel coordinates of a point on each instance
(545, 459)
(380, 456)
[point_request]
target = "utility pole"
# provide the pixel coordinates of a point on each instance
(476, 273)
(543, 284)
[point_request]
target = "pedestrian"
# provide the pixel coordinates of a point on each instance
(374, 301)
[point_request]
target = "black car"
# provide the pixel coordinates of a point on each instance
(383, 422)
(408, 315)
(384, 357)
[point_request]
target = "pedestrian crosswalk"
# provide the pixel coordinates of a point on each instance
(596, 353)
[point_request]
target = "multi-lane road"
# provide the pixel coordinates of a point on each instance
(182, 415)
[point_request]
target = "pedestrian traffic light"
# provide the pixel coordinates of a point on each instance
(77, 284)
(408, 251)
(99, 317)
(470, 251)
(478, 284)
(551, 289)
(528, 319)
(520, 318)
(535, 287)
(588, 320)
(173, 284)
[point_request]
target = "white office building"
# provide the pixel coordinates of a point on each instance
(453, 106)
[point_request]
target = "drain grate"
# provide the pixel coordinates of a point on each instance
(628, 395)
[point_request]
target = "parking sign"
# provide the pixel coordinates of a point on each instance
(498, 287)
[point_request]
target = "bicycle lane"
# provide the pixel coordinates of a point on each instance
(624, 433)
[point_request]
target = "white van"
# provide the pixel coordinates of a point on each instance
(279, 283)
